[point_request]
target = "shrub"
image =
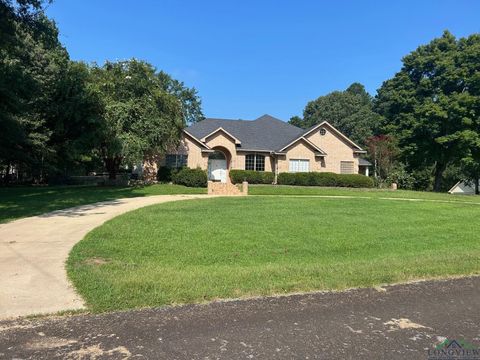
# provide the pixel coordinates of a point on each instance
(252, 177)
(190, 177)
(165, 174)
(354, 180)
(325, 179)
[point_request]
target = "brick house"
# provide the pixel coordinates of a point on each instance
(265, 144)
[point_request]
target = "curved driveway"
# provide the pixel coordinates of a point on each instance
(33, 251)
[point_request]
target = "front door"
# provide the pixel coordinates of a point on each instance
(217, 170)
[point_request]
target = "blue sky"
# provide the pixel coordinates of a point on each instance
(248, 58)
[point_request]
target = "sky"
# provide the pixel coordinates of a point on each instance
(249, 58)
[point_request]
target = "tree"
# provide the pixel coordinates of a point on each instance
(139, 116)
(30, 58)
(191, 103)
(350, 111)
(383, 150)
(73, 112)
(432, 104)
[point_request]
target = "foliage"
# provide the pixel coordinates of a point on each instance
(190, 177)
(139, 117)
(165, 173)
(57, 117)
(30, 59)
(350, 111)
(252, 177)
(189, 99)
(401, 177)
(325, 179)
(383, 151)
(232, 246)
(432, 105)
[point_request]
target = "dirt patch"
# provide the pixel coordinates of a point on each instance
(96, 261)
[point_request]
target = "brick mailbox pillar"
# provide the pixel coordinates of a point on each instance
(245, 188)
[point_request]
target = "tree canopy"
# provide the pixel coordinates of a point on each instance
(350, 111)
(139, 116)
(59, 116)
(432, 105)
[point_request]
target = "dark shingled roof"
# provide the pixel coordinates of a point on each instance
(264, 133)
(363, 162)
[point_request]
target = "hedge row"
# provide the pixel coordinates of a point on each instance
(190, 177)
(252, 177)
(325, 179)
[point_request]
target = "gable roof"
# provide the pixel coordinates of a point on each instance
(338, 132)
(220, 129)
(263, 134)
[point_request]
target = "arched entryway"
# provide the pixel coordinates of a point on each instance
(218, 163)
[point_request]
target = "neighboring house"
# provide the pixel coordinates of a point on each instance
(265, 144)
(463, 187)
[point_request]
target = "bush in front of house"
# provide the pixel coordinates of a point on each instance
(354, 181)
(325, 179)
(190, 177)
(252, 177)
(165, 174)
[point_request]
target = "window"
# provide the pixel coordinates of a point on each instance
(346, 167)
(323, 131)
(175, 160)
(299, 165)
(255, 162)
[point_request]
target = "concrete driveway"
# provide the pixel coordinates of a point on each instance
(396, 322)
(33, 252)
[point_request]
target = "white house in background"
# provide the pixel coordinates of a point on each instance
(463, 187)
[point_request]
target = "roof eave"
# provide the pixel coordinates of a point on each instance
(236, 140)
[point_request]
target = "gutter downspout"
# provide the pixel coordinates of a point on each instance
(275, 167)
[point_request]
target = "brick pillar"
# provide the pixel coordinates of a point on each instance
(245, 188)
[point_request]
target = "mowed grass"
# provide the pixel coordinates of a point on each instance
(199, 250)
(376, 193)
(18, 202)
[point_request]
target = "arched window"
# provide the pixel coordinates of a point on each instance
(255, 162)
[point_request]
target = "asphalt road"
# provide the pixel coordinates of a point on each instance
(396, 322)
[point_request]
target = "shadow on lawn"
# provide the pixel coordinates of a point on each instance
(81, 210)
(18, 202)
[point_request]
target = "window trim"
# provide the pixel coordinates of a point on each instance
(181, 160)
(255, 162)
(307, 161)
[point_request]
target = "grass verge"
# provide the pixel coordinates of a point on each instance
(200, 250)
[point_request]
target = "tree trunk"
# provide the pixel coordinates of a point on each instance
(7, 175)
(477, 191)
(112, 165)
(439, 169)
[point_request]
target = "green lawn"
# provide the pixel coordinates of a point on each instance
(199, 250)
(377, 193)
(18, 202)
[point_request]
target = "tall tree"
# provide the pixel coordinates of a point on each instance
(432, 104)
(350, 111)
(191, 103)
(139, 116)
(30, 58)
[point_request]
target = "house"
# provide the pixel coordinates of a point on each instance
(266, 144)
